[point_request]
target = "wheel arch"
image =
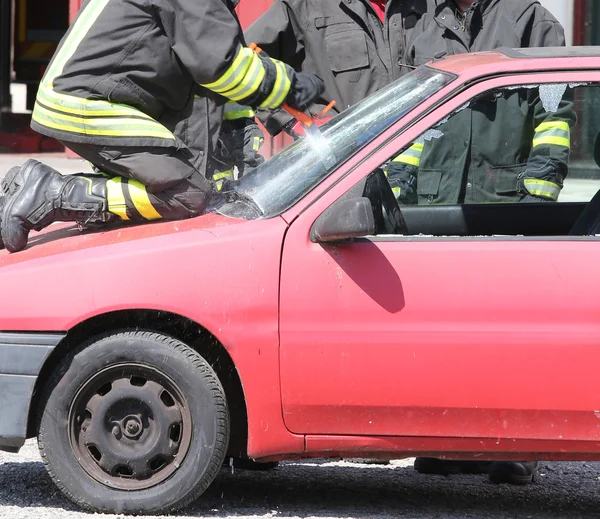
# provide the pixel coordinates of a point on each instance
(182, 328)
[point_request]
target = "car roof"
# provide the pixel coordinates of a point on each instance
(520, 60)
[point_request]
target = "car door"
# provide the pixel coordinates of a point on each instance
(464, 336)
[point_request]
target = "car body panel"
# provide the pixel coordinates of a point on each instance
(22, 356)
(484, 314)
(219, 272)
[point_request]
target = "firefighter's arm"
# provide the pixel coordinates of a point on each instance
(278, 34)
(402, 174)
(206, 38)
(548, 162)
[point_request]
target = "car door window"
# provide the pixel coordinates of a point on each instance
(517, 160)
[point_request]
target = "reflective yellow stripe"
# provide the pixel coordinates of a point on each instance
(411, 161)
(553, 125)
(141, 200)
(281, 87)
(543, 188)
(397, 191)
(223, 174)
(555, 141)
(554, 133)
(249, 83)
(236, 111)
(235, 73)
(412, 156)
(257, 143)
(116, 198)
(232, 116)
(79, 106)
(88, 126)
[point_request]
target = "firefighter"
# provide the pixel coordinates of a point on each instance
(537, 138)
(532, 157)
(120, 93)
(356, 46)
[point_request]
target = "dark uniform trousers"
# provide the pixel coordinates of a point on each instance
(174, 188)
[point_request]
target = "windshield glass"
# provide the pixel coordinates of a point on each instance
(280, 182)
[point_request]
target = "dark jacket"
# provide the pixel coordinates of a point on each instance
(500, 148)
(342, 41)
(127, 70)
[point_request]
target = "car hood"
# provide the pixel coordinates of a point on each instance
(66, 238)
(205, 269)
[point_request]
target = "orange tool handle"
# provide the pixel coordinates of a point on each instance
(306, 120)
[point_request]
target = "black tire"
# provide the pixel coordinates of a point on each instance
(197, 440)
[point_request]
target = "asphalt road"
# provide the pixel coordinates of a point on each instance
(322, 490)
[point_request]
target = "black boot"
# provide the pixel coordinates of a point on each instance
(43, 196)
(447, 467)
(514, 472)
(7, 187)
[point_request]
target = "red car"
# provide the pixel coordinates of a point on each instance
(308, 314)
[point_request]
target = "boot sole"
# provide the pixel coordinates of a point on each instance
(8, 187)
(14, 187)
(11, 182)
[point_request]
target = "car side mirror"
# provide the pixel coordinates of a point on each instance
(346, 219)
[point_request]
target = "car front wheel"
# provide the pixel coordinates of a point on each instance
(133, 422)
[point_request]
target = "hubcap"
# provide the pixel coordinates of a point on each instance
(130, 427)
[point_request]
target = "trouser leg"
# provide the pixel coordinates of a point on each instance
(149, 184)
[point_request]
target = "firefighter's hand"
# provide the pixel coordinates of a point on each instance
(253, 140)
(306, 88)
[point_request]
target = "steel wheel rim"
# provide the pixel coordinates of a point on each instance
(130, 427)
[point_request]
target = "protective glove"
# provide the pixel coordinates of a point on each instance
(403, 181)
(253, 140)
(240, 141)
(305, 89)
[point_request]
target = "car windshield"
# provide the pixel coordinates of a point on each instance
(281, 181)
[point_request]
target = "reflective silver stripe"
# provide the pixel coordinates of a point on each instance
(249, 83)
(553, 133)
(281, 87)
(542, 188)
(236, 73)
(101, 126)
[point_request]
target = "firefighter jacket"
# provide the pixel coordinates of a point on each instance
(506, 145)
(342, 41)
(126, 73)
